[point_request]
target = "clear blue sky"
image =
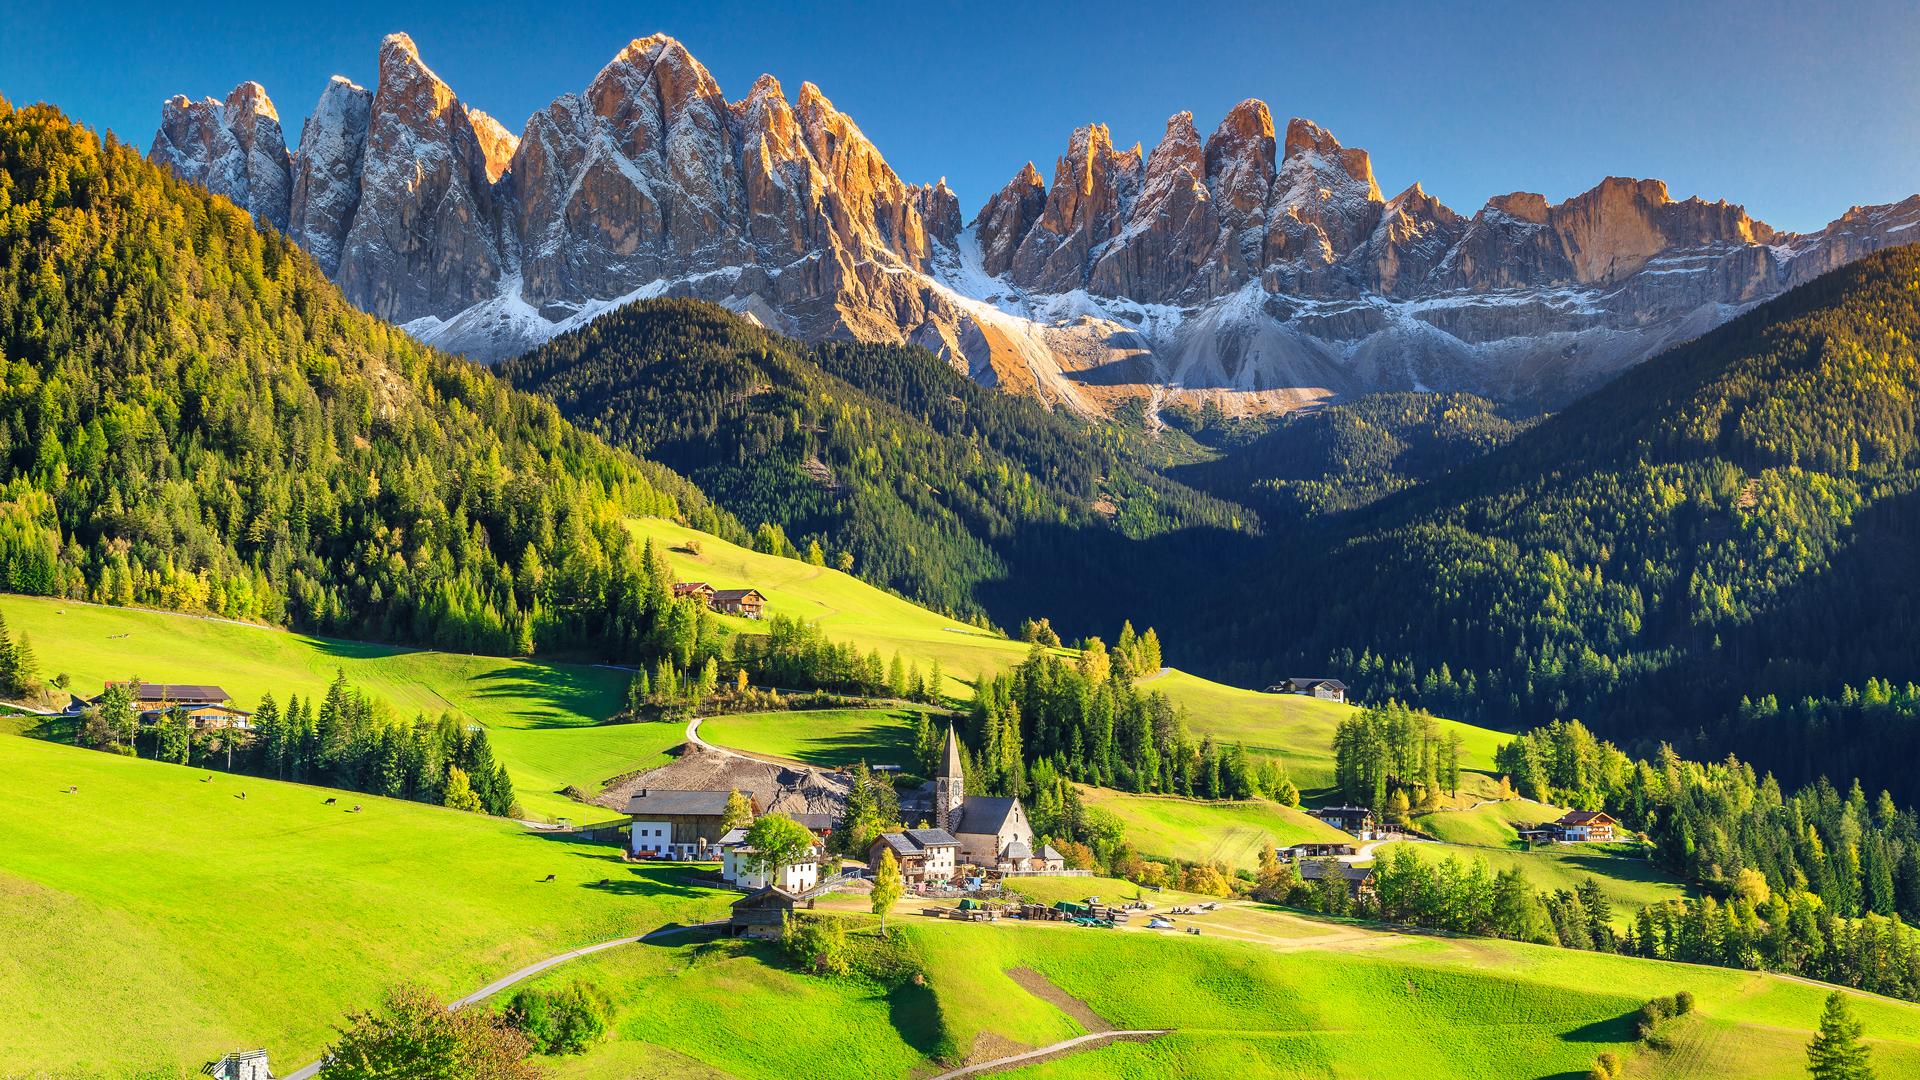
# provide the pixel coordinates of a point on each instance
(1790, 109)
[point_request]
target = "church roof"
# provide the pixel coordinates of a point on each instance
(985, 814)
(951, 766)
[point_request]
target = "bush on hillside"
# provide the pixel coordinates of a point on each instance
(564, 1021)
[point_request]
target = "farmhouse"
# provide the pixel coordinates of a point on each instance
(1582, 826)
(1357, 820)
(1359, 878)
(1316, 851)
(736, 856)
(693, 588)
(924, 855)
(746, 603)
(679, 824)
(1324, 689)
(205, 708)
(993, 833)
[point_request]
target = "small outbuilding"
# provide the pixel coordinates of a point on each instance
(763, 913)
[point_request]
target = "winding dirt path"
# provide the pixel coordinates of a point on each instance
(535, 968)
(1065, 1046)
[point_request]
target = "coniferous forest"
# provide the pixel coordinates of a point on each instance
(192, 418)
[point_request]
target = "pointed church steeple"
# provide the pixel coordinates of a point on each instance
(951, 767)
(949, 787)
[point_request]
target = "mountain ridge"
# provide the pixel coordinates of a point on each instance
(1259, 270)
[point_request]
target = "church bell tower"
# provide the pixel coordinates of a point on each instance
(949, 787)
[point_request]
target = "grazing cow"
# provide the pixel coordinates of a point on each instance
(549, 877)
(74, 790)
(329, 802)
(356, 808)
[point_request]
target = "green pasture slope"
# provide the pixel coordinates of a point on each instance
(1231, 833)
(825, 737)
(1306, 999)
(153, 919)
(1296, 729)
(544, 719)
(1627, 877)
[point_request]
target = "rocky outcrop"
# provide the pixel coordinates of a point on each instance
(1007, 218)
(1259, 272)
(326, 175)
(233, 148)
(1086, 207)
(425, 236)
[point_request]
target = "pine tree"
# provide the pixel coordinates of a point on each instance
(1836, 1053)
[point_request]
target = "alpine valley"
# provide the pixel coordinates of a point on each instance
(1259, 269)
(658, 594)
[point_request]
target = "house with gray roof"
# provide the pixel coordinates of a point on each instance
(924, 855)
(685, 825)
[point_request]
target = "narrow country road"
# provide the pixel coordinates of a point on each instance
(528, 972)
(1097, 1038)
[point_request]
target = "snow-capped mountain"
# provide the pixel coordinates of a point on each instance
(1258, 272)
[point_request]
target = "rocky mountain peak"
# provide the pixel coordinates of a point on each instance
(424, 239)
(496, 142)
(1240, 171)
(1085, 208)
(1260, 272)
(233, 148)
(1007, 217)
(326, 180)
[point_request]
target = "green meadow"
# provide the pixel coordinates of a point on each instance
(1230, 833)
(1306, 998)
(544, 719)
(824, 737)
(1298, 730)
(154, 918)
(1627, 877)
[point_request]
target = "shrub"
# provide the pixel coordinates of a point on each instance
(817, 943)
(563, 1021)
(1609, 1062)
(1683, 1003)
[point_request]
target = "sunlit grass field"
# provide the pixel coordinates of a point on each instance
(154, 918)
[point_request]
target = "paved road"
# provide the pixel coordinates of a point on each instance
(1097, 1038)
(528, 972)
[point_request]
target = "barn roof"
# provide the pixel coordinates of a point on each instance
(686, 803)
(183, 693)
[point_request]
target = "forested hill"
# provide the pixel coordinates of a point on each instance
(958, 495)
(1737, 518)
(1344, 456)
(192, 417)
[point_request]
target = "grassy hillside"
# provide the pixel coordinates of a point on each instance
(155, 918)
(1226, 832)
(1287, 997)
(1490, 824)
(1298, 729)
(829, 737)
(542, 718)
(1626, 874)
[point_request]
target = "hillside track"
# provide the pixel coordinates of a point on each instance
(307, 1072)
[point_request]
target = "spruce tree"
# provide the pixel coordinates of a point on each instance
(1836, 1053)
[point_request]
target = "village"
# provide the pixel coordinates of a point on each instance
(960, 857)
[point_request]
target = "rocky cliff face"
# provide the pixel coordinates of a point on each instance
(233, 148)
(1258, 271)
